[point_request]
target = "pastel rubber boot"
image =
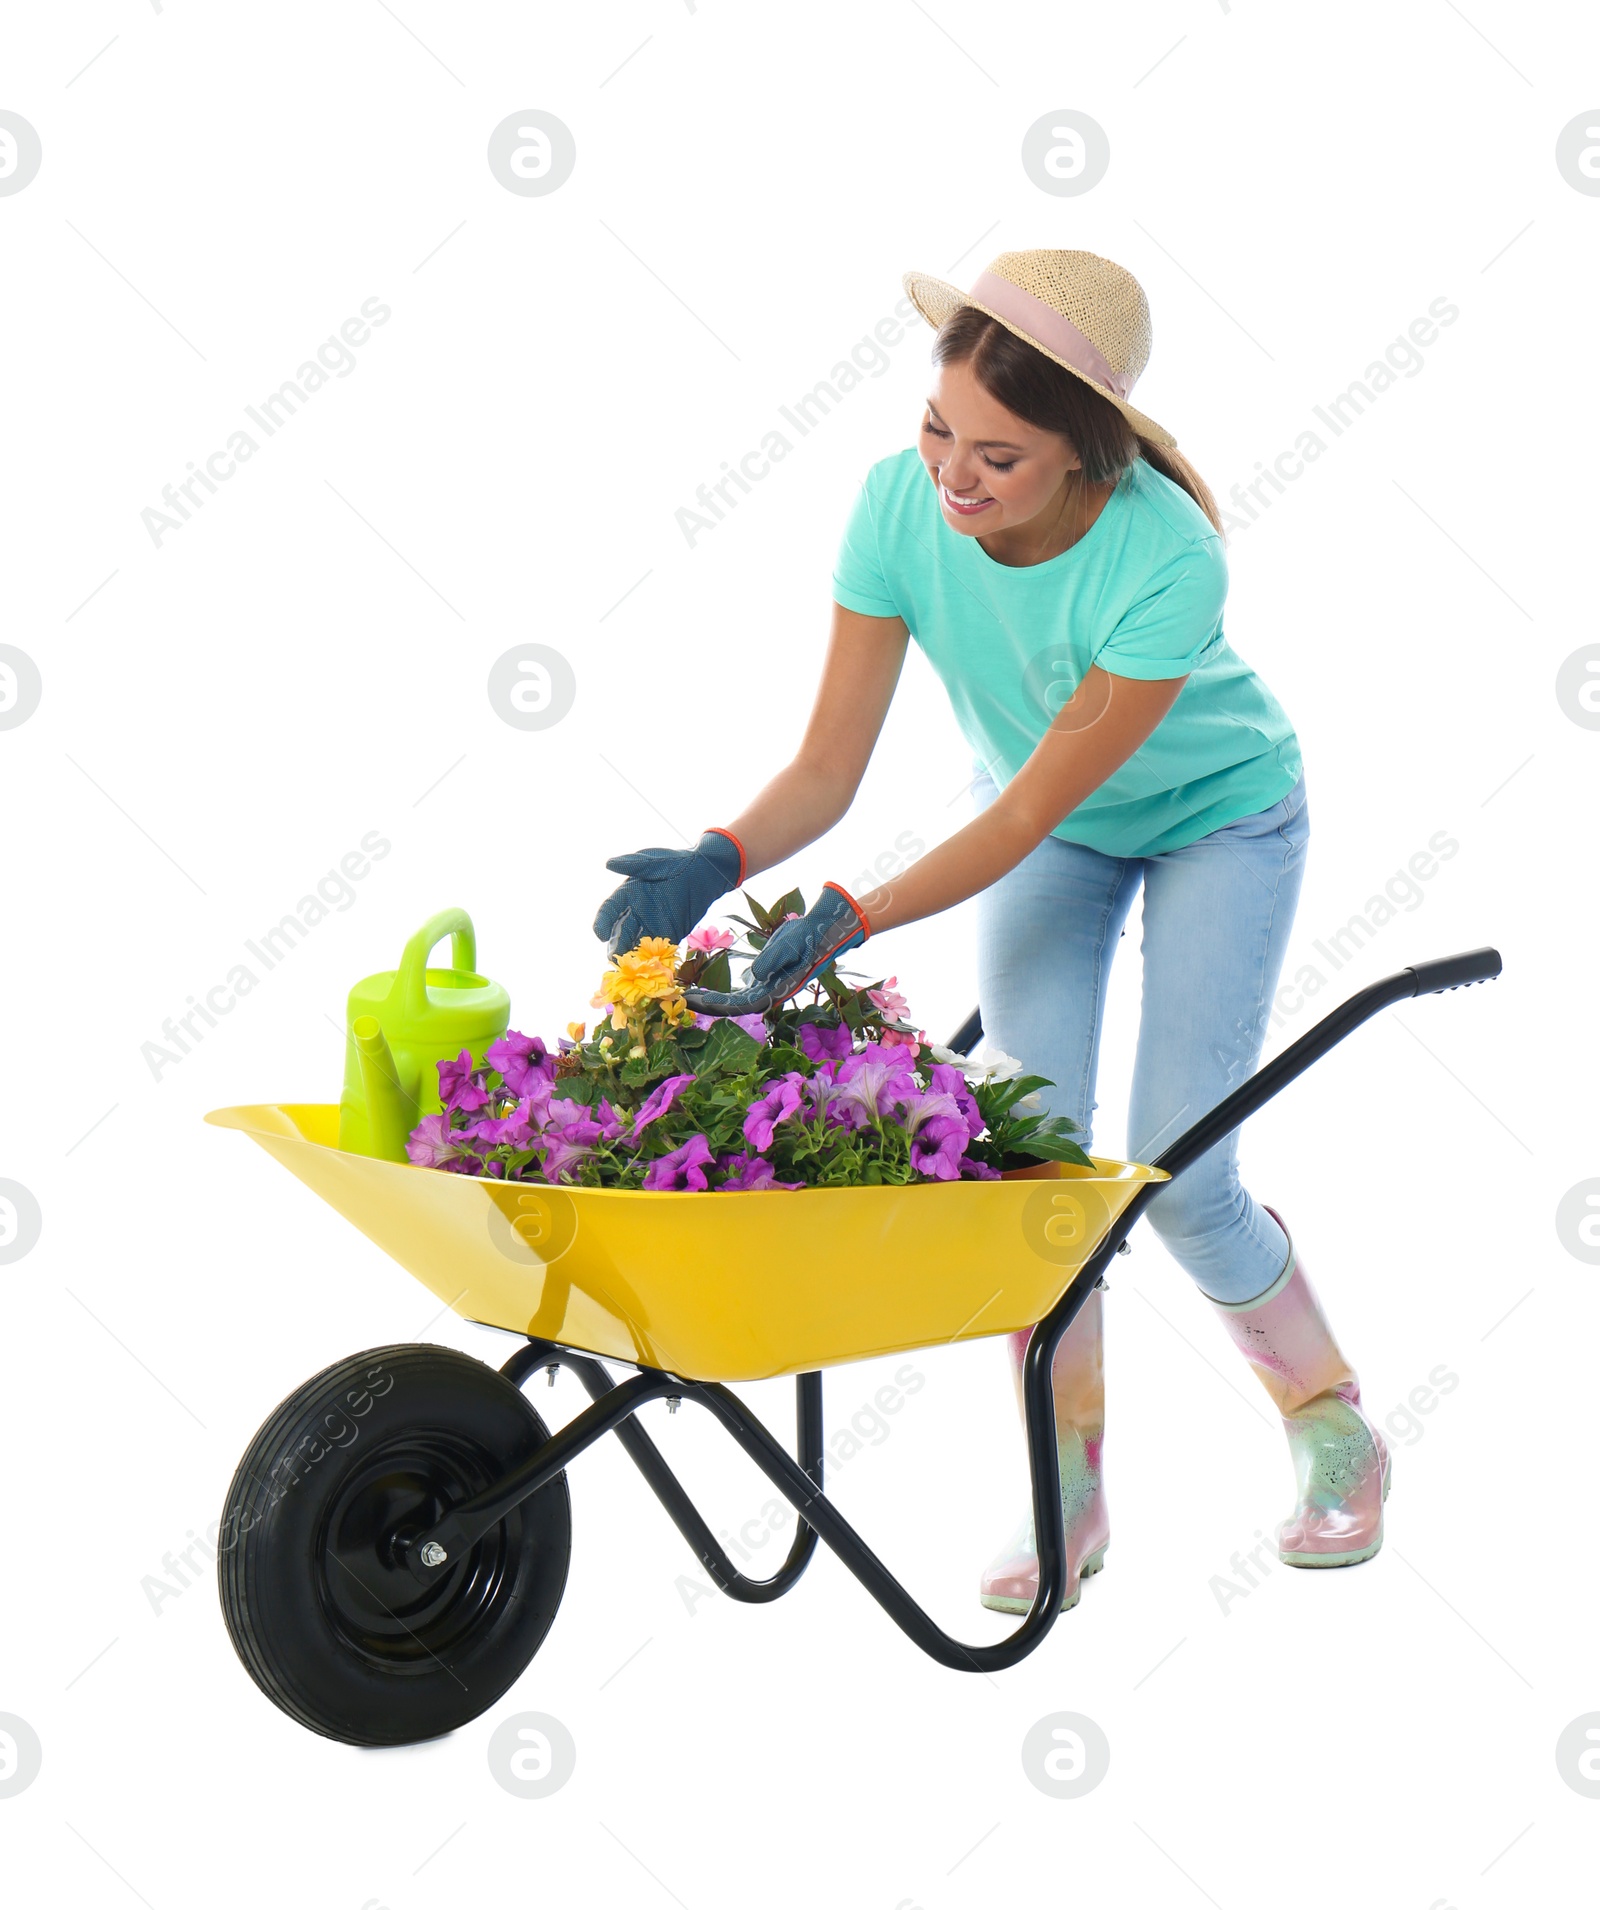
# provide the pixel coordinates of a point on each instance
(1341, 1464)
(1011, 1581)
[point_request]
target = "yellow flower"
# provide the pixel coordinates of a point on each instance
(575, 1030)
(642, 975)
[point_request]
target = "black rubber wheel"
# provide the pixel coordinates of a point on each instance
(324, 1616)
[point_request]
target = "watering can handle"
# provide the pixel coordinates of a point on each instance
(411, 983)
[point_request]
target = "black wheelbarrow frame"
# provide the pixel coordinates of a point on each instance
(800, 1479)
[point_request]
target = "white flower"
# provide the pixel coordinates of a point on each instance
(986, 1059)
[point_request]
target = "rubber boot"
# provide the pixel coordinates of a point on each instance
(1341, 1465)
(1011, 1581)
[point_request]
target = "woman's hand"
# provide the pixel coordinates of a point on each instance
(668, 890)
(792, 956)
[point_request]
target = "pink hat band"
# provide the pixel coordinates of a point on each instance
(1045, 325)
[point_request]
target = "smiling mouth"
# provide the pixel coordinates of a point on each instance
(964, 506)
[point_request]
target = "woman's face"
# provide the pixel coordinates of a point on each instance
(991, 470)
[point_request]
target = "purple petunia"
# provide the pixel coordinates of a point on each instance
(755, 1026)
(874, 1082)
(459, 1086)
(521, 1060)
(572, 1131)
(938, 1145)
(821, 1043)
(780, 1102)
(749, 1173)
(681, 1171)
(947, 1080)
(658, 1100)
(515, 1129)
(610, 1121)
(431, 1144)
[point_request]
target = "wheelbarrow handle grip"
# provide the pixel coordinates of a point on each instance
(1456, 971)
(1422, 978)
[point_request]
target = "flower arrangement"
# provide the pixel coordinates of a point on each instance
(836, 1090)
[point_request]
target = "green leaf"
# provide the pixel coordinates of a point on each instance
(793, 900)
(728, 1050)
(662, 1060)
(690, 1037)
(583, 1088)
(842, 998)
(635, 1073)
(764, 917)
(717, 973)
(997, 1098)
(1051, 1147)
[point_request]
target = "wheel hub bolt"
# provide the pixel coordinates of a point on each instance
(433, 1553)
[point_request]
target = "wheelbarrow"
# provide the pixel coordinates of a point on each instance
(395, 1541)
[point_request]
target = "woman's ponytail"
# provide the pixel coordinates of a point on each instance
(1171, 463)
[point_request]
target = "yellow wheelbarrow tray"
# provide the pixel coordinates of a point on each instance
(693, 1291)
(715, 1286)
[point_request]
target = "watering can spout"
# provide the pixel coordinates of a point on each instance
(391, 1112)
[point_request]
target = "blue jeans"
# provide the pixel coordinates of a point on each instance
(1217, 917)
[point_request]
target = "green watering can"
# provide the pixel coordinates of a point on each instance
(399, 1025)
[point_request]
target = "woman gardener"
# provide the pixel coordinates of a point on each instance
(1061, 564)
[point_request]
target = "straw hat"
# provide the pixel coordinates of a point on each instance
(1084, 312)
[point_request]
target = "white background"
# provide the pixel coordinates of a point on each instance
(224, 716)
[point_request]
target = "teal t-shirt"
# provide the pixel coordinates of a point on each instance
(1141, 595)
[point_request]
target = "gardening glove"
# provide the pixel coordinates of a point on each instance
(668, 890)
(793, 954)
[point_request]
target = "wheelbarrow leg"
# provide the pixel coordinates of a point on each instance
(664, 1483)
(1044, 1471)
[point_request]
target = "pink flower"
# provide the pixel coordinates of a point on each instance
(892, 1006)
(707, 941)
(892, 1038)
